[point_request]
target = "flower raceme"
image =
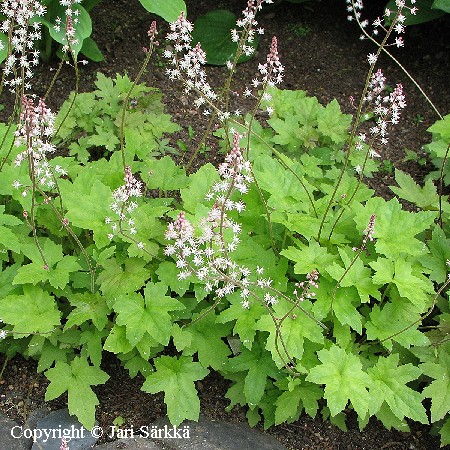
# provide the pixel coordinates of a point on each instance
(19, 24)
(35, 131)
(206, 252)
(124, 204)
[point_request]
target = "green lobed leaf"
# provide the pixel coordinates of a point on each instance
(439, 389)
(259, 366)
(116, 280)
(38, 304)
(395, 230)
(206, 339)
(424, 197)
(149, 315)
(300, 394)
(294, 330)
(389, 384)
(76, 378)
(87, 306)
(176, 376)
(344, 380)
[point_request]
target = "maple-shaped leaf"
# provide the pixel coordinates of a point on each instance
(309, 257)
(115, 280)
(245, 319)
(294, 330)
(392, 322)
(88, 306)
(442, 127)
(88, 204)
(76, 378)
(332, 123)
(299, 394)
(200, 183)
(206, 339)
(7, 237)
(445, 433)
(176, 376)
(407, 277)
(166, 175)
(259, 366)
(425, 197)
(117, 341)
(57, 272)
(149, 315)
(357, 275)
(35, 311)
(439, 389)
(436, 260)
(395, 230)
(389, 384)
(344, 380)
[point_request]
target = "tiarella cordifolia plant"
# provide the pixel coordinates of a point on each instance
(337, 299)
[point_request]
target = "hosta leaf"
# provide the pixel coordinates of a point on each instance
(42, 314)
(213, 31)
(389, 384)
(439, 389)
(344, 380)
(176, 376)
(83, 28)
(169, 10)
(76, 378)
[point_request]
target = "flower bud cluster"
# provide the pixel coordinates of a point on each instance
(24, 32)
(35, 131)
(367, 234)
(305, 286)
(123, 205)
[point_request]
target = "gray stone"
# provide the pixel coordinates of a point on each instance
(54, 423)
(129, 444)
(36, 415)
(11, 435)
(217, 435)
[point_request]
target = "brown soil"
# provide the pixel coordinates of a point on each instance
(322, 55)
